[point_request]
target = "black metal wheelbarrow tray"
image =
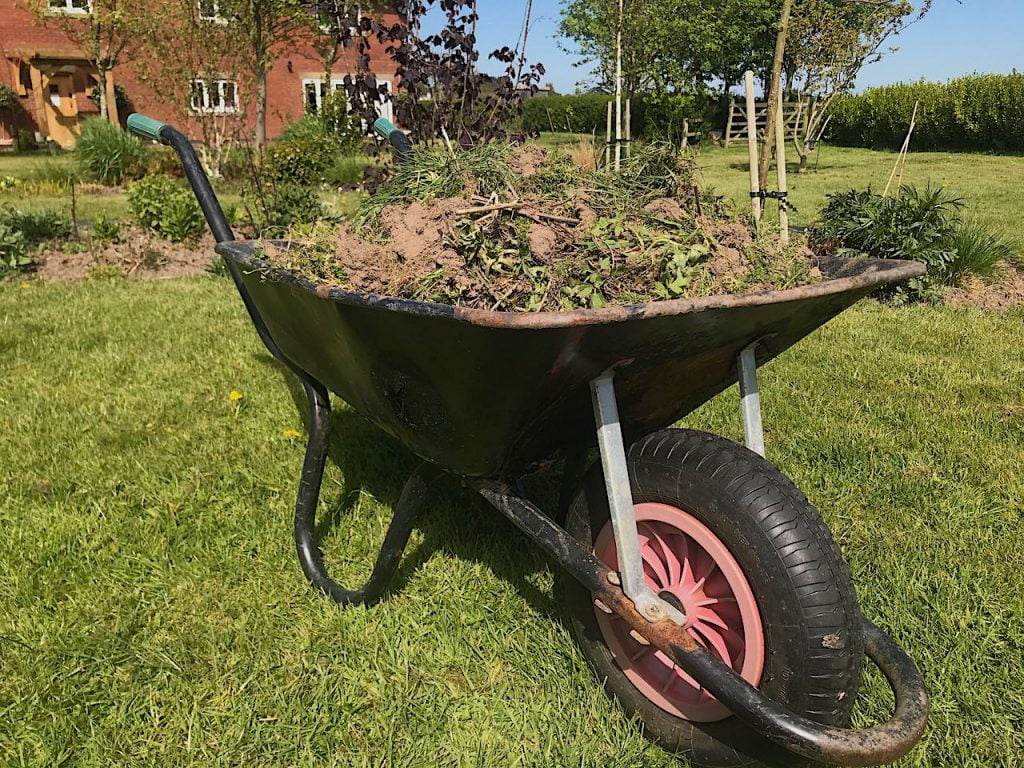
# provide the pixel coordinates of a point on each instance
(703, 587)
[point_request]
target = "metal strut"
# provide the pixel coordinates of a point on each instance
(750, 400)
(620, 504)
(310, 557)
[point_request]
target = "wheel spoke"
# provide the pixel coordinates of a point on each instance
(650, 557)
(716, 640)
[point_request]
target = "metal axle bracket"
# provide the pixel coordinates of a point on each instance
(620, 504)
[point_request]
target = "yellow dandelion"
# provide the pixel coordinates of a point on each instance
(292, 434)
(236, 395)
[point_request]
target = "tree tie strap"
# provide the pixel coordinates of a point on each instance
(782, 197)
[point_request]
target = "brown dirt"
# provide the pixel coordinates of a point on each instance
(139, 254)
(666, 208)
(1004, 293)
(528, 159)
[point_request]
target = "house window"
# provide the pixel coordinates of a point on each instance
(214, 96)
(313, 94)
(71, 6)
(212, 10)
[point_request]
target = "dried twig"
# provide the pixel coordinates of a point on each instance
(516, 207)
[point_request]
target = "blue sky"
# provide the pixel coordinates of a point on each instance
(954, 39)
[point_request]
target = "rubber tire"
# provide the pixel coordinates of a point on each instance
(794, 568)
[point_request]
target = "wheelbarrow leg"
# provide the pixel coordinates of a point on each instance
(310, 557)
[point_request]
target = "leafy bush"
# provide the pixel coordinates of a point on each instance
(339, 122)
(163, 161)
(106, 230)
(166, 207)
(977, 113)
(300, 161)
(25, 140)
(108, 155)
(147, 197)
(8, 99)
(182, 218)
(654, 115)
(923, 226)
(346, 171)
(284, 206)
(36, 227)
(13, 250)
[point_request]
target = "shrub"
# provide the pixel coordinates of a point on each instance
(106, 230)
(920, 225)
(300, 161)
(8, 99)
(36, 227)
(346, 171)
(163, 161)
(108, 155)
(654, 115)
(977, 252)
(284, 206)
(147, 197)
(182, 217)
(13, 250)
(162, 205)
(339, 123)
(977, 113)
(25, 141)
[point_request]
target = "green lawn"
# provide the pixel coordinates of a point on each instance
(152, 611)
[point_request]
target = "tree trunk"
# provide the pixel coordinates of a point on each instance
(261, 106)
(804, 157)
(101, 77)
(775, 91)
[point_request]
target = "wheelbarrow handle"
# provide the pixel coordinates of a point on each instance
(398, 140)
(197, 178)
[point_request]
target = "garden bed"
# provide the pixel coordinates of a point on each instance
(137, 253)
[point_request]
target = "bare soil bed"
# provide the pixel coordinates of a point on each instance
(1003, 293)
(137, 253)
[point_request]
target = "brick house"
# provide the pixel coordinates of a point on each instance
(55, 81)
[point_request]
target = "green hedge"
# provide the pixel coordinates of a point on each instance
(982, 113)
(654, 115)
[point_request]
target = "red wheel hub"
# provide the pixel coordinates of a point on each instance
(691, 568)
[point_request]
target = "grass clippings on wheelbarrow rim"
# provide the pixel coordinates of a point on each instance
(520, 229)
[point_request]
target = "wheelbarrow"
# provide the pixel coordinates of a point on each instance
(704, 589)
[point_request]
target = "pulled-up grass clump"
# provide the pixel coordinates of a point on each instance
(506, 228)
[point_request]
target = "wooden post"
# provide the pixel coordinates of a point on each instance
(618, 87)
(686, 133)
(755, 181)
(780, 164)
(728, 125)
(608, 137)
(629, 127)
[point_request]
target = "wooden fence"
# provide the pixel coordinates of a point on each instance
(736, 128)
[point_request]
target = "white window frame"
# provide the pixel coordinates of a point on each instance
(387, 108)
(207, 88)
(68, 8)
(216, 16)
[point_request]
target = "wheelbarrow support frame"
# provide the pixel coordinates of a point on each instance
(626, 595)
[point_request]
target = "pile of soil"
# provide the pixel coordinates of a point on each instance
(136, 253)
(524, 229)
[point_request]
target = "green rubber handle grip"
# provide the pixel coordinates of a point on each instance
(384, 127)
(145, 126)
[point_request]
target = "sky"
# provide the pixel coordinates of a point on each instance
(954, 39)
